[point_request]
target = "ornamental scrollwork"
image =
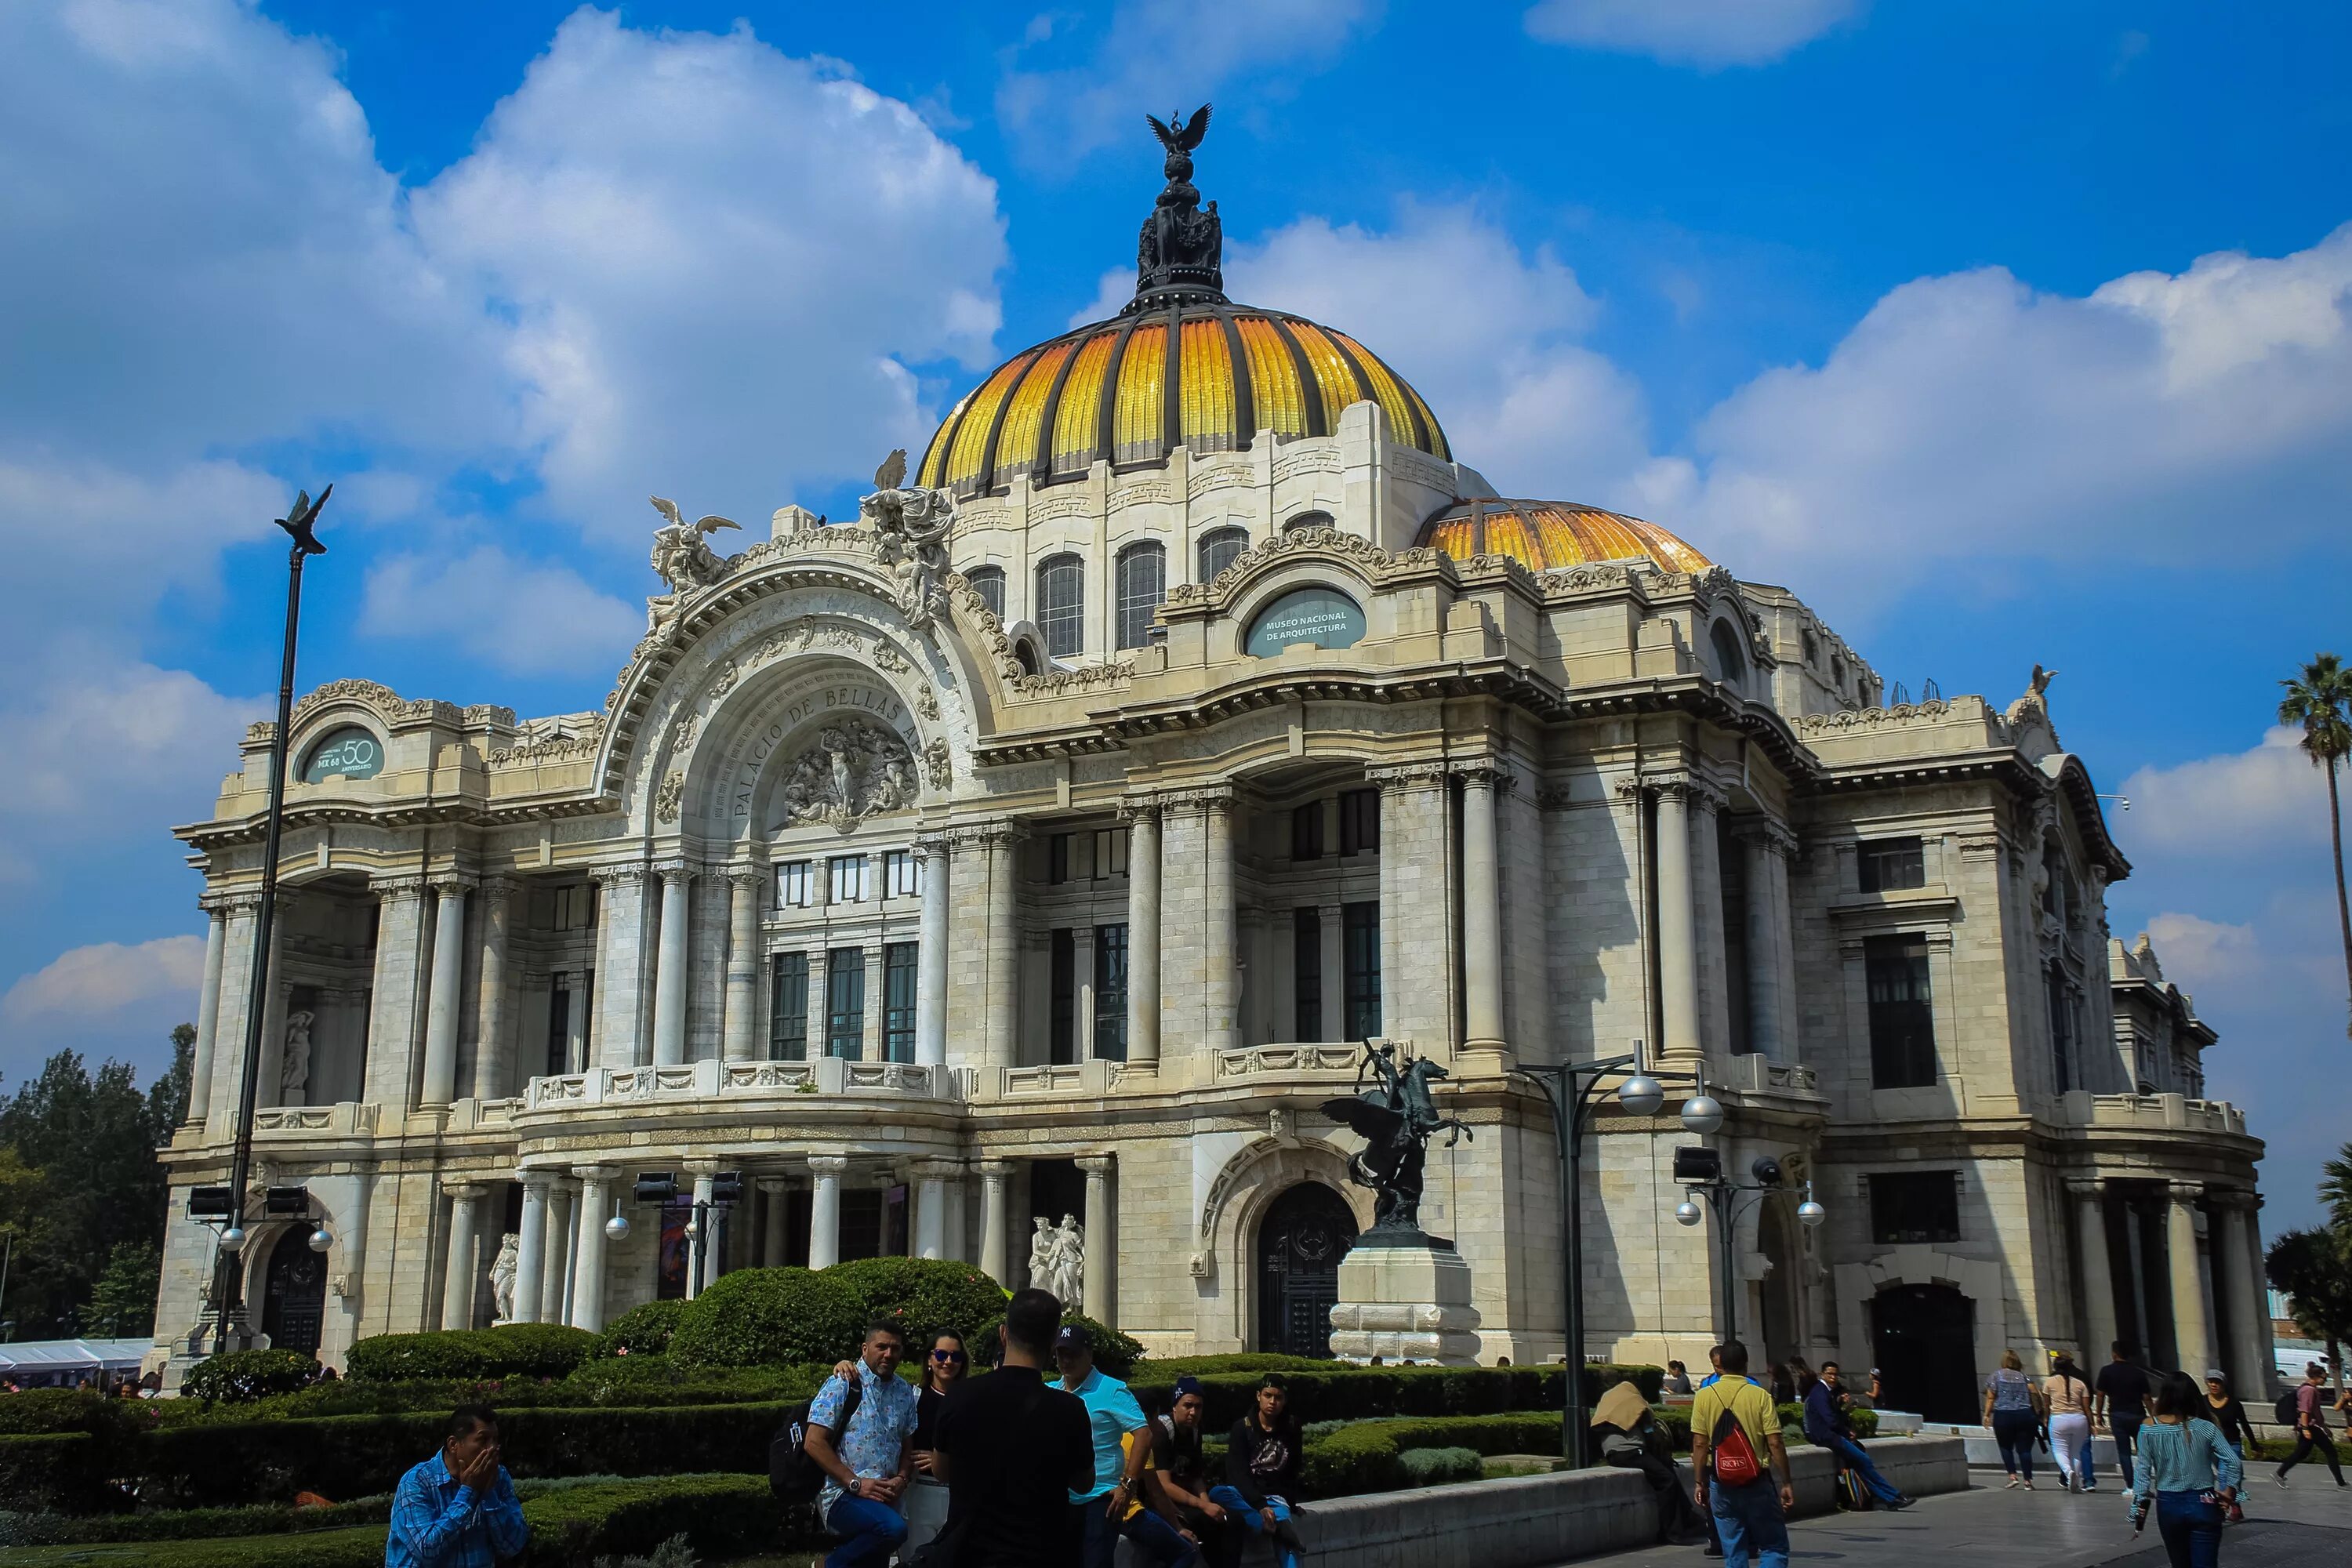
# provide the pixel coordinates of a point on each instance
(669, 798)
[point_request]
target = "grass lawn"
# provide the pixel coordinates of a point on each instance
(178, 1554)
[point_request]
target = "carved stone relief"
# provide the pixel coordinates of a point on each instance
(855, 770)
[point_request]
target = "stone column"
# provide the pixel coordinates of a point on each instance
(588, 1250)
(1002, 996)
(702, 1248)
(742, 1037)
(931, 1209)
(669, 969)
(462, 1276)
(530, 1251)
(1142, 942)
(271, 1067)
(441, 1001)
(931, 953)
(1482, 914)
(1100, 1283)
(620, 978)
(493, 1050)
(2243, 1359)
(555, 1274)
(393, 991)
(993, 1174)
(1767, 921)
(824, 1209)
(2193, 1338)
(1677, 928)
(1218, 926)
(1331, 934)
(772, 1215)
(1081, 986)
(2261, 1351)
(1784, 949)
(200, 1067)
(2098, 1282)
(951, 1219)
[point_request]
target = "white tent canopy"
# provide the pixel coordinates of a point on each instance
(71, 1358)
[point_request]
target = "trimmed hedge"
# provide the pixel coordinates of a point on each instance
(516, 1350)
(1438, 1467)
(769, 1317)
(242, 1376)
(39, 1410)
(1333, 1392)
(64, 1472)
(1116, 1354)
(1370, 1458)
(188, 1523)
(642, 1331)
(921, 1295)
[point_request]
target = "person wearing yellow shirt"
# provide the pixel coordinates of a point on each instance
(1752, 1518)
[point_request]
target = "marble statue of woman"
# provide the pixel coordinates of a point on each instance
(1070, 1265)
(294, 1072)
(1041, 1254)
(502, 1274)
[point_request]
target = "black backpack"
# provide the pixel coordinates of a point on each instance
(792, 1476)
(2290, 1409)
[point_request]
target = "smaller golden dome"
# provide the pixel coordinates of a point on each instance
(1549, 535)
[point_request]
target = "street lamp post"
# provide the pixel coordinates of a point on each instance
(1572, 1089)
(229, 1282)
(1700, 1171)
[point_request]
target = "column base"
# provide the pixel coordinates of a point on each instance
(1405, 1304)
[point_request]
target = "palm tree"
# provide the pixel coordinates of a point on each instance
(2320, 704)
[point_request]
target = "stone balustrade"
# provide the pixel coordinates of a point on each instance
(345, 1119)
(712, 1079)
(2157, 1112)
(1318, 1058)
(1755, 1073)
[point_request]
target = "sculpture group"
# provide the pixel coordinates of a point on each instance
(855, 770)
(1058, 1260)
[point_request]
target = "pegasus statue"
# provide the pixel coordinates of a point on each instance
(1396, 1118)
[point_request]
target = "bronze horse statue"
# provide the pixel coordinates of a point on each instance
(1397, 1118)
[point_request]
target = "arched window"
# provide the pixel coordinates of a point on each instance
(1220, 548)
(1306, 520)
(1062, 604)
(1731, 664)
(988, 582)
(1142, 583)
(1026, 658)
(350, 751)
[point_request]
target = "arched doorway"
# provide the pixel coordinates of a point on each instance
(1776, 1293)
(1923, 1338)
(294, 1295)
(1299, 1244)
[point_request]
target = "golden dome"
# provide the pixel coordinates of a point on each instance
(1547, 535)
(1195, 373)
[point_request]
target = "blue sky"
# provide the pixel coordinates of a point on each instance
(2002, 334)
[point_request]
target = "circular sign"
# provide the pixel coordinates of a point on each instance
(1324, 617)
(349, 753)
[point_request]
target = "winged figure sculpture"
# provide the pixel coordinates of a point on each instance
(1179, 134)
(1396, 1119)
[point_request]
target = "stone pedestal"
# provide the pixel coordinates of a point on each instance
(1405, 1303)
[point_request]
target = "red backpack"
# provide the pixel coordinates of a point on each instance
(1736, 1463)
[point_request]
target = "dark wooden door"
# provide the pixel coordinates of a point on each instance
(294, 1296)
(1299, 1245)
(1924, 1339)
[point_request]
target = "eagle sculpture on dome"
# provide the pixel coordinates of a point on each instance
(1182, 243)
(1180, 136)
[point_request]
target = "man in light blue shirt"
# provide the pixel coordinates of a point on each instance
(457, 1509)
(1112, 1414)
(865, 1459)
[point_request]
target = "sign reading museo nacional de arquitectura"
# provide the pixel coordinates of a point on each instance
(970, 868)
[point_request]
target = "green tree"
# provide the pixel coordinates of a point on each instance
(2313, 1267)
(121, 1305)
(167, 1097)
(2319, 703)
(90, 1141)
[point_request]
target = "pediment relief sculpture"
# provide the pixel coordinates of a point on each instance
(855, 770)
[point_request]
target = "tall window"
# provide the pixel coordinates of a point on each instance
(1730, 663)
(558, 1025)
(1915, 1206)
(788, 1008)
(1307, 968)
(2062, 1028)
(1057, 858)
(1110, 992)
(846, 880)
(1142, 583)
(1360, 951)
(1062, 1038)
(988, 582)
(1110, 853)
(1887, 864)
(1062, 604)
(1307, 831)
(1359, 822)
(1902, 1022)
(899, 1002)
(575, 906)
(902, 876)
(1220, 548)
(845, 1003)
(793, 885)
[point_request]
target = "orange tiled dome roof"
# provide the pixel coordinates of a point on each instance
(1546, 535)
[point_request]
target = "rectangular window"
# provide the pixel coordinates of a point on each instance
(788, 1009)
(902, 875)
(1902, 1021)
(899, 1002)
(558, 1025)
(575, 906)
(1307, 832)
(1360, 949)
(1110, 852)
(1359, 822)
(2062, 1027)
(846, 880)
(1889, 864)
(1062, 1044)
(793, 885)
(1058, 859)
(1306, 967)
(1061, 605)
(1915, 1206)
(1110, 992)
(845, 1003)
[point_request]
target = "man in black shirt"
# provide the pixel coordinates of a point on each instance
(1012, 1449)
(2121, 1394)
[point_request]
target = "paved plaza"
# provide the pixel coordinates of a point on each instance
(2308, 1526)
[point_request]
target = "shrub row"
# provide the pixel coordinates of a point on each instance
(1324, 1392)
(516, 1350)
(246, 1375)
(1370, 1458)
(1116, 1354)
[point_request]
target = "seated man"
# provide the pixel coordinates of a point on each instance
(457, 1509)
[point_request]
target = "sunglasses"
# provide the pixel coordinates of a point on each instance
(946, 1355)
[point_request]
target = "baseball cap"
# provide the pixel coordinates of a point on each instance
(1074, 1337)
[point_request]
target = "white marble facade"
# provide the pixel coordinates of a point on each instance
(1114, 918)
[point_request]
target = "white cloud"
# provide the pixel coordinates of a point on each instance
(526, 617)
(1710, 33)
(2269, 799)
(108, 977)
(1162, 57)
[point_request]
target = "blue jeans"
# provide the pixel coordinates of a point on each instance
(2013, 1430)
(1849, 1451)
(1096, 1536)
(1286, 1539)
(1159, 1540)
(2191, 1529)
(870, 1530)
(1748, 1518)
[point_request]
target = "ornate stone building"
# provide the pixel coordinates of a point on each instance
(1039, 846)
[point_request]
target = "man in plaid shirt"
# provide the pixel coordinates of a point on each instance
(457, 1509)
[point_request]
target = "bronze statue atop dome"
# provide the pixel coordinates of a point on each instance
(1179, 255)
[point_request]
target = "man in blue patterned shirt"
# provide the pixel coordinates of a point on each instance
(865, 1464)
(457, 1509)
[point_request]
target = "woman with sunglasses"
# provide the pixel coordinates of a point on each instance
(925, 1502)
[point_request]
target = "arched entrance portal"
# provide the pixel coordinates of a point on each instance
(1923, 1338)
(294, 1297)
(1299, 1244)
